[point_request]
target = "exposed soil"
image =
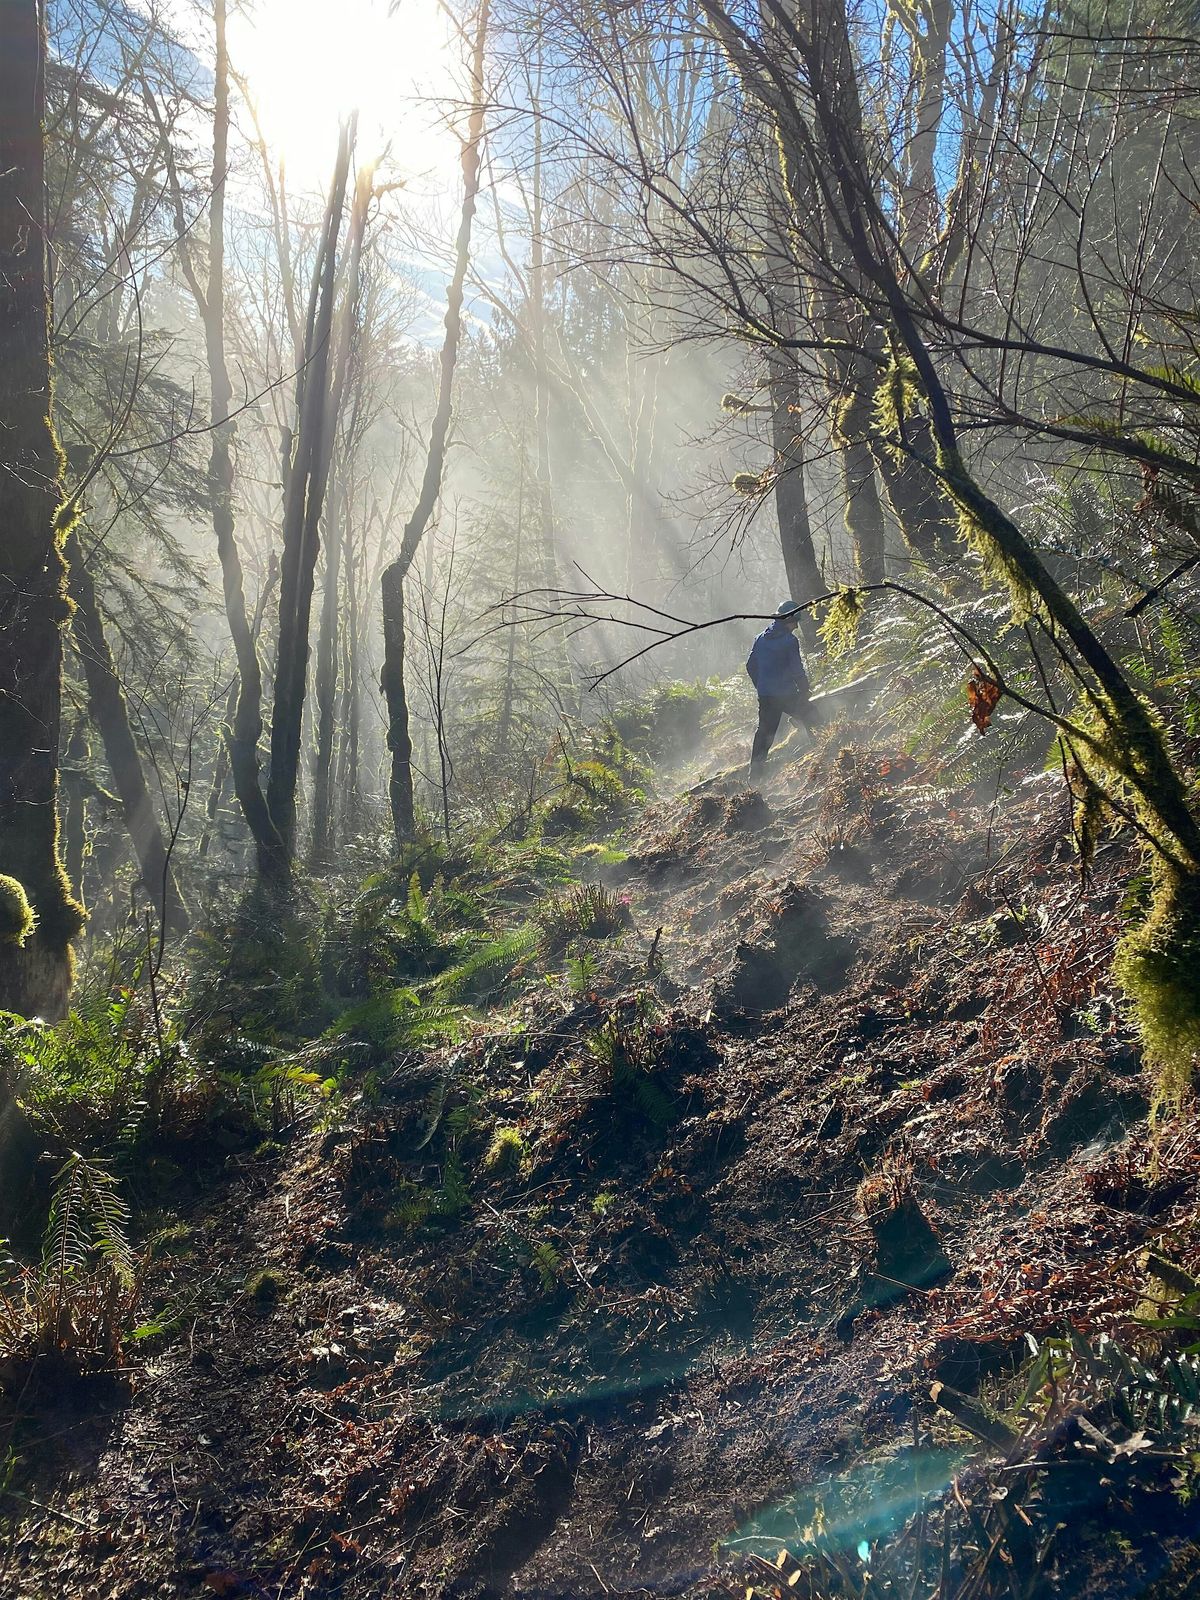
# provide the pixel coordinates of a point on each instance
(626, 1360)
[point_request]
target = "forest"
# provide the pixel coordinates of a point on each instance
(600, 799)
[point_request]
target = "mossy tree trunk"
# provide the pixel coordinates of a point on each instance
(35, 973)
(800, 564)
(74, 808)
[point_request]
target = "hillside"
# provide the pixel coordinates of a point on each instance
(649, 1275)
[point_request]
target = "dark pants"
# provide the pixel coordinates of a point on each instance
(771, 710)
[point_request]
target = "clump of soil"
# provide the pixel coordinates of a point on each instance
(907, 1251)
(793, 941)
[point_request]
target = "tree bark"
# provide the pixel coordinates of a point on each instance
(316, 418)
(400, 787)
(35, 971)
(399, 737)
(107, 708)
(348, 784)
(216, 793)
(74, 819)
(800, 564)
(336, 525)
(243, 732)
(326, 681)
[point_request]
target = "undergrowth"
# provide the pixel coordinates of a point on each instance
(74, 1306)
(1091, 1424)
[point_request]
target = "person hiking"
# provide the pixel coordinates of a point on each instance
(778, 675)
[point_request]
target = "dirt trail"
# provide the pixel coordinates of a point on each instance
(630, 1359)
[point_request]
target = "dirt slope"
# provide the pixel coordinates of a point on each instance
(621, 1361)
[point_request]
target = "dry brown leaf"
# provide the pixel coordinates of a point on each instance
(983, 695)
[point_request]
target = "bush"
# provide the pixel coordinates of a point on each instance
(594, 789)
(588, 911)
(670, 722)
(258, 979)
(114, 1072)
(628, 1050)
(396, 932)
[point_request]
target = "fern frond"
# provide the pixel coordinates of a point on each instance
(487, 968)
(86, 1214)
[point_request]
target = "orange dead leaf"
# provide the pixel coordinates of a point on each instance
(983, 695)
(224, 1582)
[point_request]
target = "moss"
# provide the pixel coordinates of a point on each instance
(17, 920)
(265, 1286)
(839, 629)
(506, 1151)
(1128, 759)
(60, 916)
(1157, 965)
(177, 1240)
(896, 399)
(1092, 810)
(841, 415)
(1157, 961)
(976, 531)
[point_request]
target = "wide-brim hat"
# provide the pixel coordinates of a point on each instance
(786, 608)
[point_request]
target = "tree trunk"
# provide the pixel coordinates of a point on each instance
(400, 787)
(246, 729)
(863, 510)
(547, 553)
(35, 968)
(74, 822)
(504, 726)
(915, 498)
(800, 563)
(316, 419)
(107, 708)
(920, 205)
(326, 681)
(399, 737)
(216, 793)
(335, 526)
(349, 780)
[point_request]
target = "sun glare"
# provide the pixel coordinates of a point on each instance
(307, 64)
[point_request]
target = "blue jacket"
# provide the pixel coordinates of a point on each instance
(774, 662)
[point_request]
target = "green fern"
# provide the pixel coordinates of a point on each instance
(487, 969)
(455, 1196)
(398, 1020)
(87, 1215)
(547, 1263)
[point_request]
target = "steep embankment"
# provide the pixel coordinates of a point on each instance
(861, 1117)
